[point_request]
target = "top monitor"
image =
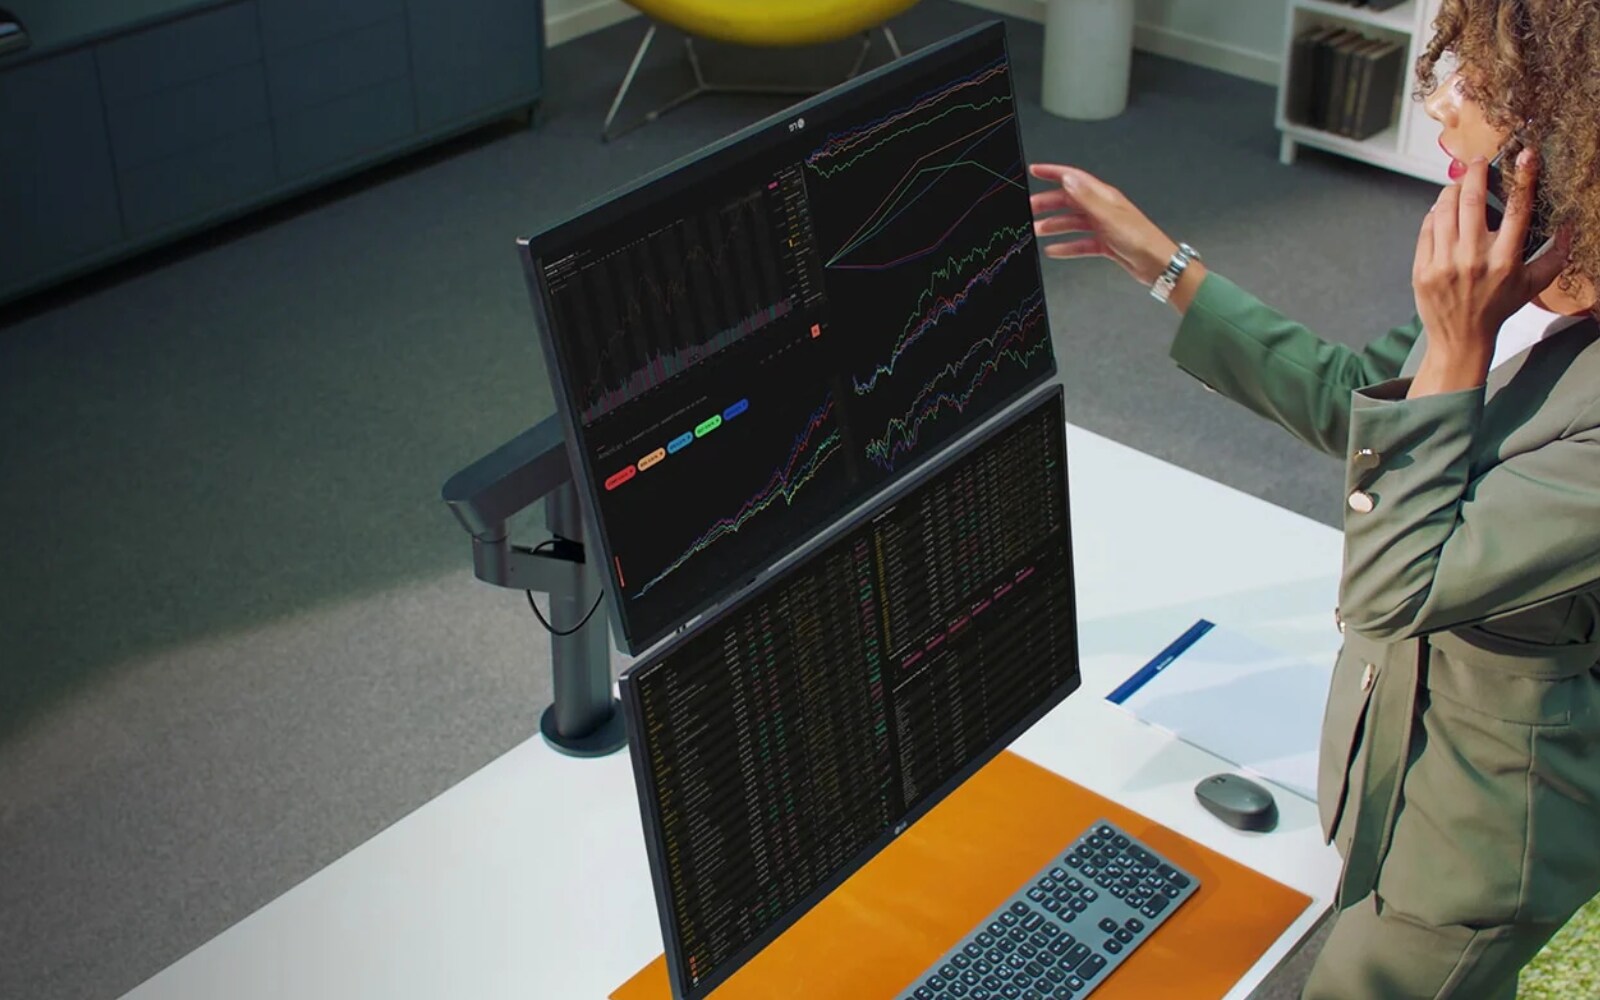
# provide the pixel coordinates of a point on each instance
(751, 342)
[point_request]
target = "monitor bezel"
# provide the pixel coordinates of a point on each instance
(1015, 413)
(659, 185)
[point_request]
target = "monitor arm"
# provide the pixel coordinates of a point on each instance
(584, 720)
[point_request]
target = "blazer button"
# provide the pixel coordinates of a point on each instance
(1365, 459)
(1338, 621)
(1361, 502)
(1367, 677)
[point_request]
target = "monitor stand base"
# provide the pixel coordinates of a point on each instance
(608, 737)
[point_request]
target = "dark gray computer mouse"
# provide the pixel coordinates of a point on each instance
(1238, 802)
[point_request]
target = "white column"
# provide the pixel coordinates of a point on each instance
(1088, 49)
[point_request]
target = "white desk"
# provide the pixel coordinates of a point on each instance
(529, 879)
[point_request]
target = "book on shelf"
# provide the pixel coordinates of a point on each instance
(1342, 81)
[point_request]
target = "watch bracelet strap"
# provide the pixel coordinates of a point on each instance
(1162, 287)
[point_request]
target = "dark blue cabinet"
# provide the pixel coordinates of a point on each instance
(116, 136)
(58, 196)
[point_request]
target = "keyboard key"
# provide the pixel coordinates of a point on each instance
(1155, 906)
(1033, 969)
(923, 993)
(1124, 935)
(1106, 831)
(1074, 956)
(1031, 995)
(1113, 946)
(1091, 966)
(991, 982)
(1008, 918)
(1120, 841)
(964, 957)
(1032, 921)
(1048, 884)
(1075, 983)
(1179, 879)
(1134, 924)
(1015, 961)
(1061, 945)
(1052, 905)
(1108, 925)
(1117, 890)
(970, 977)
(1027, 950)
(1020, 908)
(947, 971)
(1068, 916)
(1058, 874)
(1007, 946)
(1074, 884)
(1052, 931)
(1082, 903)
(982, 967)
(979, 993)
(1088, 894)
(1017, 934)
(1170, 891)
(935, 983)
(1055, 975)
(996, 928)
(1062, 993)
(1010, 992)
(958, 990)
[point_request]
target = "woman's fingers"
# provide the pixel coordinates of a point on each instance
(1087, 246)
(1445, 218)
(1050, 201)
(1066, 222)
(1471, 200)
(1424, 254)
(1507, 246)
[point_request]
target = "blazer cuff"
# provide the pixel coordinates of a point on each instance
(1407, 473)
(1212, 331)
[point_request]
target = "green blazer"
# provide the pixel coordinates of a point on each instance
(1460, 757)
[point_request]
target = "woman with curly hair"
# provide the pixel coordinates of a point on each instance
(1460, 760)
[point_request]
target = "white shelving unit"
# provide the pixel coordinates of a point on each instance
(1411, 144)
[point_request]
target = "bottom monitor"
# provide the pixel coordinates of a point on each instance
(790, 737)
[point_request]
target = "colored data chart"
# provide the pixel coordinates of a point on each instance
(1019, 341)
(927, 234)
(816, 442)
(670, 298)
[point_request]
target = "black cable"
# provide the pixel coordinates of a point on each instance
(535, 608)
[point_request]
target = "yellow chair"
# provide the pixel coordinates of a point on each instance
(769, 23)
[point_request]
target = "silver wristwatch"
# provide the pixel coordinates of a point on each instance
(1163, 285)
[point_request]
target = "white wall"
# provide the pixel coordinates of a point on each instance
(1242, 37)
(565, 20)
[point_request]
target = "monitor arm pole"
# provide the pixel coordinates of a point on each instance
(584, 720)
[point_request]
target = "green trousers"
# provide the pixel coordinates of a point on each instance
(1377, 953)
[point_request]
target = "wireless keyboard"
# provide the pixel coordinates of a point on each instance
(1065, 929)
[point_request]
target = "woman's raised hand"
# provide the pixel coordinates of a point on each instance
(1100, 221)
(1468, 279)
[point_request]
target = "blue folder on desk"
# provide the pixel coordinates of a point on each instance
(1245, 702)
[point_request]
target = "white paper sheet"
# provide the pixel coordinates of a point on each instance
(1234, 697)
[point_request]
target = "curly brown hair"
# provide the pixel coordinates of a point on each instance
(1534, 68)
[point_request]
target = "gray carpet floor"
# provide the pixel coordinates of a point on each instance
(238, 631)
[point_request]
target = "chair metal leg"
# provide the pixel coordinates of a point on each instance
(703, 86)
(627, 82)
(894, 43)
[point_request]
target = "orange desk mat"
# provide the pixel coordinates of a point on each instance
(884, 926)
